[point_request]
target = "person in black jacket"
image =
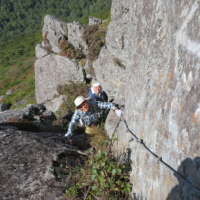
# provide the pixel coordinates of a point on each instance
(97, 93)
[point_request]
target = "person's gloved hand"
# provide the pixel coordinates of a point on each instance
(68, 135)
(119, 112)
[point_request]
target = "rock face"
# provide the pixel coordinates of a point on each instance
(75, 31)
(3, 107)
(113, 58)
(36, 114)
(25, 163)
(89, 69)
(109, 72)
(55, 31)
(40, 51)
(161, 94)
(94, 20)
(54, 104)
(53, 70)
(9, 92)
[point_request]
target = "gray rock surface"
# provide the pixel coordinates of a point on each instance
(56, 31)
(25, 163)
(3, 107)
(19, 103)
(161, 94)
(2, 97)
(53, 70)
(9, 92)
(54, 104)
(40, 51)
(109, 72)
(89, 70)
(75, 31)
(94, 20)
(36, 114)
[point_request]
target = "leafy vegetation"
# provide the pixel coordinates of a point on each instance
(100, 177)
(17, 59)
(69, 51)
(23, 17)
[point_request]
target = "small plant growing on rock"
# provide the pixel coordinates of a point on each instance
(119, 63)
(82, 62)
(94, 36)
(95, 39)
(46, 41)
(69, 51)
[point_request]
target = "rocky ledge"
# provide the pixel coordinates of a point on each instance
(26, 159)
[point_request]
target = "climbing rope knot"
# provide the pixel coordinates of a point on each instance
(159, 159)
(140, 141)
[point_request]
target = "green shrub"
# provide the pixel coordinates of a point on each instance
(100, 177)
(69, 51)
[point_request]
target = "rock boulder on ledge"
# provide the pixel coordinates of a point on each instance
(53, 70)
(35, 114)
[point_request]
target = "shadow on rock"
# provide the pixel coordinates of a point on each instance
(190, 171)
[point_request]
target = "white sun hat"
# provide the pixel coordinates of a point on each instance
(79, 100)
(96, 84)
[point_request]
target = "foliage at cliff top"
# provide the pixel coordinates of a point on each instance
(25, 17)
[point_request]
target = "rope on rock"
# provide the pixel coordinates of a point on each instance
(158, 159)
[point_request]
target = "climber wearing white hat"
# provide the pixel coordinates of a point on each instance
(89, 113)
(97, 93)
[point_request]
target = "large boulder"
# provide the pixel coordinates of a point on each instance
(3, 107)
(54, 31)
(109, 72)
(75, 31)
(53, 70)
(161, 95)
(35, 114)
